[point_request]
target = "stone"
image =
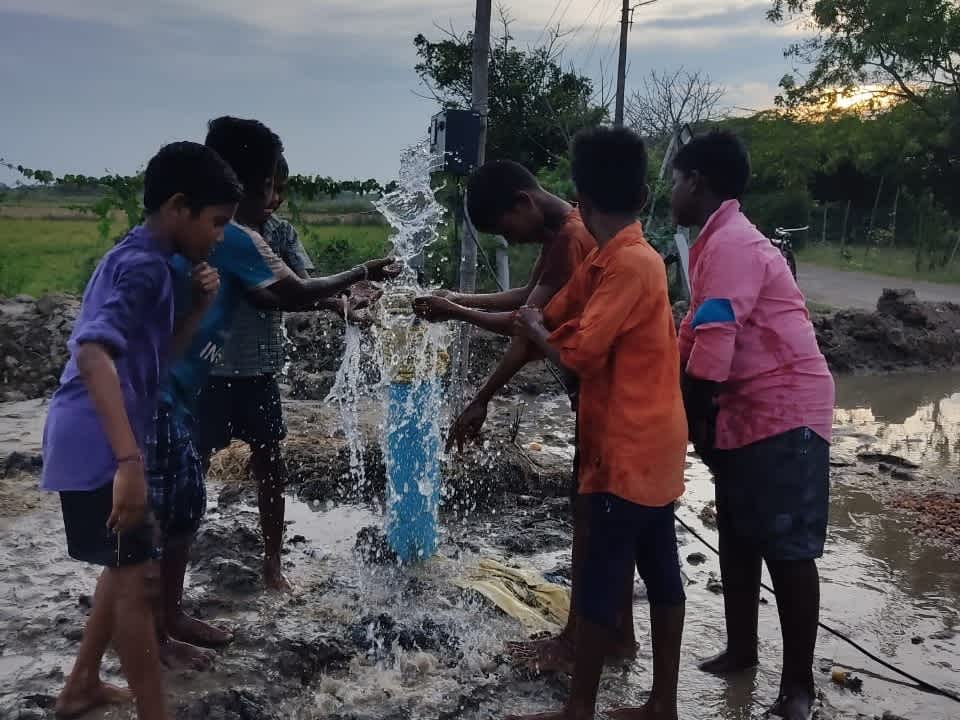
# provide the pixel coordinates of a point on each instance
(697, 558)
(235, 576)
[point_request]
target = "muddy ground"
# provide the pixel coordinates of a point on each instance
(368, 642)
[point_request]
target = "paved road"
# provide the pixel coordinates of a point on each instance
(847, 289)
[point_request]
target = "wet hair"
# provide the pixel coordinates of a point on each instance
(248, 146)
(609, 166)
(283, 170)
(492, 191)
(721, 158)
(193, 169)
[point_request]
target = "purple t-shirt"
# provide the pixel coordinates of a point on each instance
(128, 307)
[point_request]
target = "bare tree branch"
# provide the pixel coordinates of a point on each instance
(669, 100)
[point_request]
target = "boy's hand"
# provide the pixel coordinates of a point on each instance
(206, 283)
(527, 321)
(129, 497)
(353, 309)
(382, 269)
(433, 308)
(467, 426)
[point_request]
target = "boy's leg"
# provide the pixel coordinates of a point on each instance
(740, 569)
(85, 516)
(608, 568)
(135, 639)
(269, 471)
(797, 508)
(556, 654)
(659, 565)
(178, 499)
(258, 421)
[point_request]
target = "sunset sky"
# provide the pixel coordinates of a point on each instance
(98, 85)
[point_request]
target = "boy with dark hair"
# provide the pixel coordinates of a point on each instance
(759, 397)
(100, 415)
(248, 269)
(242, 397)
(504, 198)
(612, 326)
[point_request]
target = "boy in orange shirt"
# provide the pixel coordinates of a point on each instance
(612, 326)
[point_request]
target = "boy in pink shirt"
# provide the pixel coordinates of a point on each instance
(759, 399)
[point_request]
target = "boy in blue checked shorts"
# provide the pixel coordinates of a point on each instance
(100, 415)
(242, 398)
(249, 270)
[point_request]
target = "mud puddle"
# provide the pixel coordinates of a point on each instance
(381, 642)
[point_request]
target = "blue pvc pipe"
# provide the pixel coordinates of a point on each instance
(413, 470)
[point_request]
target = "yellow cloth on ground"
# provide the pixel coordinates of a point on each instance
(538, 604)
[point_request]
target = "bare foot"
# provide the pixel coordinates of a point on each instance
(796, 706)
(273, 576)
(647, 712)
(176, 655)
(75, 702)
(728, 662)
(556, 715)
(555, 654)
(196, 632)
(552, 654)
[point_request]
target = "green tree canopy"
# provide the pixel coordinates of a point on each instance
(905, 48)
(535, 106)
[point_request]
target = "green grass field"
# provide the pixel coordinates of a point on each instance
(894, 262)
(40, 256)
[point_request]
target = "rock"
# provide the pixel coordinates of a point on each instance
(235, 576)
(373, 548)
(236, 704)
(305, 659)
(887, 715)
(17, 462)
(697, 558)
(943, 635)
(714, 585)
(916, 640)
(887, 459)
(708, 516)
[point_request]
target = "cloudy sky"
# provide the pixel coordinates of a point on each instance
(98, 85)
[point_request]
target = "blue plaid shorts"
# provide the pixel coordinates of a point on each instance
(177, 492)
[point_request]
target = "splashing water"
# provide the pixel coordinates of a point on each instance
(399, 362)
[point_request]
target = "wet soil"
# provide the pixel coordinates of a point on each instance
(375, 641)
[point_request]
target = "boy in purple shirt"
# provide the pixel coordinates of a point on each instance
(100, 416)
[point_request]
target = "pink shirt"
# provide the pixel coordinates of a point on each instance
(748, 329)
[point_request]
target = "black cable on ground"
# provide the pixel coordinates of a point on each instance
(836, 633)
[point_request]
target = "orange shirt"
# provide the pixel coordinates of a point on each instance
(613, 326)
(563, 255)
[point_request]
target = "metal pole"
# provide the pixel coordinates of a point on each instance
(468, 247)
(481, 62)
(622, 66)
(503, 264)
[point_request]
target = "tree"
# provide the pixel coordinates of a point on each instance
(670, 100)
(902, 49)
(535, 106)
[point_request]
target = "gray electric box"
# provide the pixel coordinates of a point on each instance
(455, 134)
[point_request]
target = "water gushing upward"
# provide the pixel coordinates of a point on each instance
(409, 357)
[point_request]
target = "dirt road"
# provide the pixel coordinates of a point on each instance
(847, 289)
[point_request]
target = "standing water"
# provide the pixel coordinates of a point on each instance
(401, 361)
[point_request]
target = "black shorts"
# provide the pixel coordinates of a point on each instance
(239, 408)
(775, 494)
(622, 535)
(85, 515)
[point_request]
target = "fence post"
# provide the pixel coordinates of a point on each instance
(846, 218)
